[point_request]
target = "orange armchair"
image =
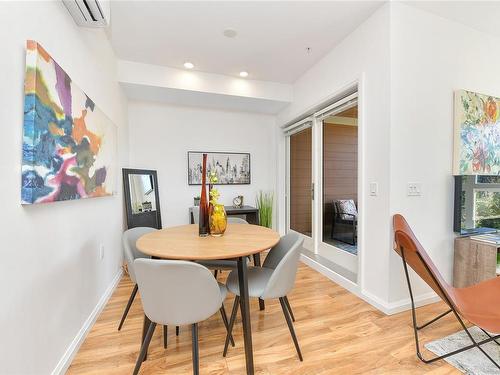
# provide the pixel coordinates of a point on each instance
(479, 304)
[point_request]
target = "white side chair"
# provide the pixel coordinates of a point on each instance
(275, 279)
(130, 252)
(175, 292)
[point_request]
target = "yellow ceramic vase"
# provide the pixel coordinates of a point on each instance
(217, 220)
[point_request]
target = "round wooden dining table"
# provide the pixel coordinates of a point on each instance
(238, 242)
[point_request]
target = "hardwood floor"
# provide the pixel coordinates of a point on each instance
(338, 333)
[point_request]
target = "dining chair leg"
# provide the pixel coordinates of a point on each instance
(262, 305)
(216, 272)
(177, 330)
(226, 324)
(145, 326)
(289, 308)
(165, 332)
(231, 324)
(196, 358)
(256, 263)
(129, 303)
(144, 347)
(290, 327)
(245, 314)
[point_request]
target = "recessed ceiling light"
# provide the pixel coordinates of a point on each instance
(188, 65)
(230, 33)
(243, 74)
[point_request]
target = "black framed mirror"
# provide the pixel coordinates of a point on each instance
(142, 199)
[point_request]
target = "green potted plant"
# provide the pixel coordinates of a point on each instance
(196, 200)
(265, 203)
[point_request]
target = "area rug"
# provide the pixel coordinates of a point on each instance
(470, 362)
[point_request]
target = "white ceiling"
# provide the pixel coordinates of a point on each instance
(271, 42)
(480, 15)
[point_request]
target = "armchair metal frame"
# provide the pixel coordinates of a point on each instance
(416, 327)
(472, 304)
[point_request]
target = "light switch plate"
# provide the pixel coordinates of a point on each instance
(373, 189)
(414, 189)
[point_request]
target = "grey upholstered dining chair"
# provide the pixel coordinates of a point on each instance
(275, 279)
(177, 292)
(130, 252)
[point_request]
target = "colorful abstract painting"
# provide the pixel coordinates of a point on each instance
(477, 134)
(69, 145)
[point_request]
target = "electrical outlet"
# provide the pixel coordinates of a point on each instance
(414, 189)
(373, 189)
(101, 251)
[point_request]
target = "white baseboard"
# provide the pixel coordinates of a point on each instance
(334, 276)
(387, 308)
(405, 304)
(70, 353)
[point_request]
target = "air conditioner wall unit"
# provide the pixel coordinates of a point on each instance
(89, 13)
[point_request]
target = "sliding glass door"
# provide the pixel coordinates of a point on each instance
(322, 183)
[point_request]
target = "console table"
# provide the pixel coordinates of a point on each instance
(475, 261)
(251, 213)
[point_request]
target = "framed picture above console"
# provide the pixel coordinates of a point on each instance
(231, 168)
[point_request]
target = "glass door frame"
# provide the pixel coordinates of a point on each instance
(314, 242)
(344, 258)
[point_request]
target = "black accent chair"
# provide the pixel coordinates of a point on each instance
(344, 225)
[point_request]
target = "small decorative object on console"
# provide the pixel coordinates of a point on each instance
(238, 201)
(196, 200)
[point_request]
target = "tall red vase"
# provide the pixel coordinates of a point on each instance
(203, 226)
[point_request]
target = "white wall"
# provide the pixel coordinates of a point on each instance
(51, 275)
(431, 57)
(161, 136)
(364, 55)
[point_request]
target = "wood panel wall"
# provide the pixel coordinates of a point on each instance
(300, 181)
(340, 167)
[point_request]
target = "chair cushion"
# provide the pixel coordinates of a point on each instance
(347, 209)
(257, 281)
(480, 304)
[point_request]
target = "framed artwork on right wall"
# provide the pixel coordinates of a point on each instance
(476, 134)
